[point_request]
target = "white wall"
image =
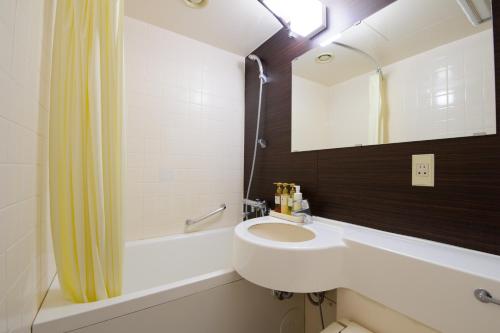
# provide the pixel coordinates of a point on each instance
(26, 264)
(310, 123)
(348, 105)
(347, 304)
(445, 92)
(312, 322)
(184, 131)
(374, 316)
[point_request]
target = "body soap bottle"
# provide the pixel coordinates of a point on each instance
(284, 199)
(297, 199)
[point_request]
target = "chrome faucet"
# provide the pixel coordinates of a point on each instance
(305, 212)
(257, 207)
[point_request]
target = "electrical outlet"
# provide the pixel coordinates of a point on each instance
(422, 170)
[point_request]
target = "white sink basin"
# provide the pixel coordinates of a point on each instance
(282, 232)
(288, 256)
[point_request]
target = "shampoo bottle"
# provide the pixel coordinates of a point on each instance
(284, 199)
(277, 198)
(297, 199)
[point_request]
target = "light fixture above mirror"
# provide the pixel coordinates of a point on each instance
(304, 18)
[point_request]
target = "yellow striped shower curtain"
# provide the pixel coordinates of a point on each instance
(378, 119)
(85, 148)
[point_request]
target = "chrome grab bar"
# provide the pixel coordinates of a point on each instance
(485, 297)
(199, 219)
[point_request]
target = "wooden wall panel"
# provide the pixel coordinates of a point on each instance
(371, 186)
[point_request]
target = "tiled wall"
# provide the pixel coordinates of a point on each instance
(185, 103)
(26, 265)
(441, 93)
(445, 92)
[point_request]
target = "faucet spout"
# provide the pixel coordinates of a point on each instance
(305, 212)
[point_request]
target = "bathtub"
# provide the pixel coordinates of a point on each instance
(182, 283)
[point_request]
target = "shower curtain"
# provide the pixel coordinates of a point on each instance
(85, 148)
(378, 131)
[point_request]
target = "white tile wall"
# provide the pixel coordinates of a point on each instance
(445, 92)
(185, 103)
(26, 264)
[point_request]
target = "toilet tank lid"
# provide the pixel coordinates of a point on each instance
(345, 326)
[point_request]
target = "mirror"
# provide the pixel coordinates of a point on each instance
(416, 70)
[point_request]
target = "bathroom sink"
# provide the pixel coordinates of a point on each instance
(282, 232)
(288, 256)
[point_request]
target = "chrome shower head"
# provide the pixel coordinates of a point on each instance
(262, 76)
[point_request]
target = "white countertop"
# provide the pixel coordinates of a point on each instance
(469, 261)
(428, 281)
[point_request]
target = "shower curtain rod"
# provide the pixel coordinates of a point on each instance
(282, 22)
(355, 49)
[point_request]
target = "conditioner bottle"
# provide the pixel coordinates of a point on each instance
(284, 199)
(277, 198)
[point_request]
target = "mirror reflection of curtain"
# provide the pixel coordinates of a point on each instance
(378, 131)
(85, 148)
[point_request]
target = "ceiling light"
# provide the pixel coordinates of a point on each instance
(304, 17)
(324, 58)
(329, 39)
(196, 3)
(477, 11)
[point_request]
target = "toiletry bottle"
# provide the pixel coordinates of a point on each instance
(284, 199)
(290, 198)
(277, 198)
(297, 199)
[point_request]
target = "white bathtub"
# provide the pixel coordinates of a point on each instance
(181, 283)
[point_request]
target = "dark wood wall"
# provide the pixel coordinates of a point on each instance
(371, 186)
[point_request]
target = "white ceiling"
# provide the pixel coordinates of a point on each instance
(237, 26)
(400, 30)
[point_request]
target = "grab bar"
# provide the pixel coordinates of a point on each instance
(199, 219)
(485, 297)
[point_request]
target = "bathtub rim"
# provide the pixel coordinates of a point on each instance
(187, 234)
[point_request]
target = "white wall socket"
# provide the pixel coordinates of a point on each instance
(422, 170)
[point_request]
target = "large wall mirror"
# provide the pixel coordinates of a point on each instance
(416, 70)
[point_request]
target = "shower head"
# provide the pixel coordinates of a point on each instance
(262, 76)
(261, 142)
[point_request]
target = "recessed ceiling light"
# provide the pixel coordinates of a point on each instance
(324, 58)
(196, 3)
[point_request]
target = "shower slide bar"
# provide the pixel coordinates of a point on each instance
(190, 222)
